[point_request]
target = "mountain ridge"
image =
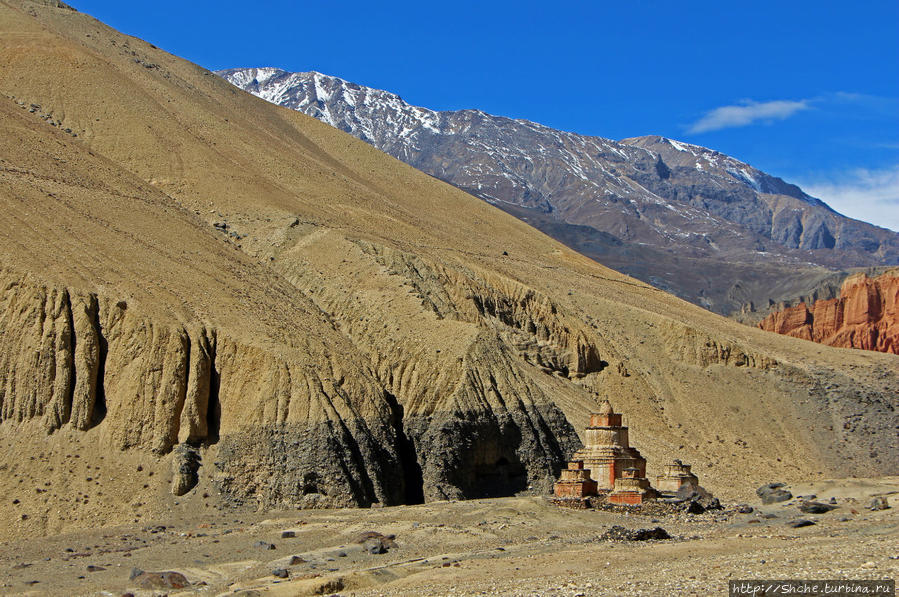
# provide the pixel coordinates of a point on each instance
(694, 208)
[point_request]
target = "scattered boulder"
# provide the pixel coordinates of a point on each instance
(159, 580)
(772, 493)
(375, 546)
(799, 523)
(745, 509)
(294, 560)
(878, 503)
(288, 534)
(93, 568)
(280, 573)
(264, 545)
(697, 501)
(815, 507)
(374, 542)
(693, 507)
(619, 533)
(769, 487)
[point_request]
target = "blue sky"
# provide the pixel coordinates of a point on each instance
(808, 91)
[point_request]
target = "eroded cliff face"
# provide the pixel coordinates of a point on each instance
(865, 315)
(462, 352)
(416, 424)
(82, 361)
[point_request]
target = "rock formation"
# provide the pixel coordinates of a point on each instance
(865, 315)
(256, 307)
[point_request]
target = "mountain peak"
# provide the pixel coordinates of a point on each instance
(602, 196)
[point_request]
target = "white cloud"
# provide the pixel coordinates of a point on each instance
(868, 195)
(747, 113)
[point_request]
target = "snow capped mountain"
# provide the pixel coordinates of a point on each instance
(685, 218)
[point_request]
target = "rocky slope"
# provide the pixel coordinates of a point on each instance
(865, 315)
(684, 218)
(200, 287)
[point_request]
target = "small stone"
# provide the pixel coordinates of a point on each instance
(280, 573)
(294, 560)
(93, 568)
(798, 524)
(374, 542)
(773, 493)
(288, 534)
(374, 546)
(815, 508)
(264, 545)
(160, 580)
(745, 509)
(878, 503)
(776, 495)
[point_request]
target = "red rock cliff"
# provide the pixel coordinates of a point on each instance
(866, 315)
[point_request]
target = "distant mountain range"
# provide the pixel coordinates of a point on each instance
(690, 220)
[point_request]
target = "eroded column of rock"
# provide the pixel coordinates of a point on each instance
(865, 316)
(194, 426)
(36, 361)
(145, 382)
(85, 321)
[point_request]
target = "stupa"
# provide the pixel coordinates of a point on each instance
(676, 476)
(606, 452)
(631, 489)
(575, 482)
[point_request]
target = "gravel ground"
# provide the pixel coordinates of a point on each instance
(510, 546)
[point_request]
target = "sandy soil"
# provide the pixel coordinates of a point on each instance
(511, 546)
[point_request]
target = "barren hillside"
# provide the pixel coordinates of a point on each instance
(687, 219)
(197, 282)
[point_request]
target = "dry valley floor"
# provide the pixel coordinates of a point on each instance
(510, 546)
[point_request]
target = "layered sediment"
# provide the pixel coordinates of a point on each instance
(865, 315)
